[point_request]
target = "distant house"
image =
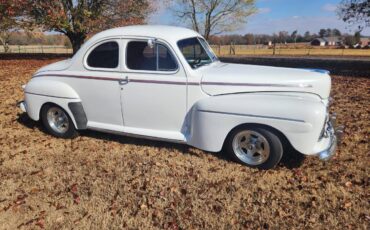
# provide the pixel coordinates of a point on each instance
(318, 42)
(327, 41)
(365, 41)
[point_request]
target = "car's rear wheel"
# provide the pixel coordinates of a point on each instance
(57, 121)
(254, 146)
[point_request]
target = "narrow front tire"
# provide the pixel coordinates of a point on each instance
(255, 147)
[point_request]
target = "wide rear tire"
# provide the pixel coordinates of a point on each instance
(57, 122)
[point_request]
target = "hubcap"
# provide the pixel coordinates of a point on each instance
(57, 120)
(251, 147)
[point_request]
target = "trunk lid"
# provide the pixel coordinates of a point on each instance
(57, 66)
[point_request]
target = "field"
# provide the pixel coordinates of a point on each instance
(224, 50)
(38, 49)
(288, 51)
(103, 181)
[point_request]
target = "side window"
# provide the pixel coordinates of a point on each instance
(140, 56)
(192, 49)
(166, 61)
(104, 56)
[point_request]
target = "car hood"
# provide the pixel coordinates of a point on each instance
(225, 78)
(57, 66)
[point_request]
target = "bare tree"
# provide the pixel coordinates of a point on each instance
(355, 12)
(213, 16)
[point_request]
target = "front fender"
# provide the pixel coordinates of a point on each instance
(299, 116)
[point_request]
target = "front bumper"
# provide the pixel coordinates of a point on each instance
(334, 133)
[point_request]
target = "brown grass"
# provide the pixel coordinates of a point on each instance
(110, 182)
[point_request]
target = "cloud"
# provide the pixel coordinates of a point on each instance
(329, 7)
(264, 10)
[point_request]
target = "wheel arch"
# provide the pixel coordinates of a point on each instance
(74, 110)
(284, 140)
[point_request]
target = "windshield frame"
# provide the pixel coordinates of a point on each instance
(207, 49)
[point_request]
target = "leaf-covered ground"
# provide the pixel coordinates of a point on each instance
(105, 181)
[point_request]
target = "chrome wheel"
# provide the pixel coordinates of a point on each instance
(57, 120)
(251, 147)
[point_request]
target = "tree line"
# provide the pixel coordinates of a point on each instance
(79, 19)
(283, 37)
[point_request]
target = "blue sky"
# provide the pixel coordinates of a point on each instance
(282, 15)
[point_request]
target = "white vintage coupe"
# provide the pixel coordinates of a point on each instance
(166, 83)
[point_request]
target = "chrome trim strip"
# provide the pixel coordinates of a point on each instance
(158, 82)
(118, 79)
(180, 83)
(78, 76)
(44, 95)
(253, 115)
(258, 84)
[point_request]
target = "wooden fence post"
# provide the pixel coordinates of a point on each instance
(232, 49)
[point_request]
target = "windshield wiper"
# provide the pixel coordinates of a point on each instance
(202, 64)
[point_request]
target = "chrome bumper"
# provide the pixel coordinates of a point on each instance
(335, 134)
(22, 105)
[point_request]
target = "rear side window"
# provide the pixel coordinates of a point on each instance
(104, 56)
(140, 56)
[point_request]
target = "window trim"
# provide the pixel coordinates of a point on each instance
(92, 47)
(169, 48)
(205, 49)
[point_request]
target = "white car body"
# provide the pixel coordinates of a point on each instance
(198, 107)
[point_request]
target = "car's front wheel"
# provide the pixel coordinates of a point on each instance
(57, 122)
(255, 146)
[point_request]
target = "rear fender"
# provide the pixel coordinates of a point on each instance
(39, 92)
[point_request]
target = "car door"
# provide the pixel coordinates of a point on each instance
(153, 90)
(98, 86)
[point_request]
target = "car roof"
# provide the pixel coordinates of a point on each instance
(169, 33)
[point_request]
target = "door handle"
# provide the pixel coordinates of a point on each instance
(124, 81)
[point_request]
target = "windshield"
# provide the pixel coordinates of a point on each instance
(197, 52)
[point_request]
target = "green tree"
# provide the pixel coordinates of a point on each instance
(357, 37)
(294, 36)
(322, 33)
(336, 32)
(307, 36)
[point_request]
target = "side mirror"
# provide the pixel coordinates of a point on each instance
(151, 43)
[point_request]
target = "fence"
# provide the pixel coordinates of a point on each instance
(37, 49)
(220, 50)
(262, 50)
